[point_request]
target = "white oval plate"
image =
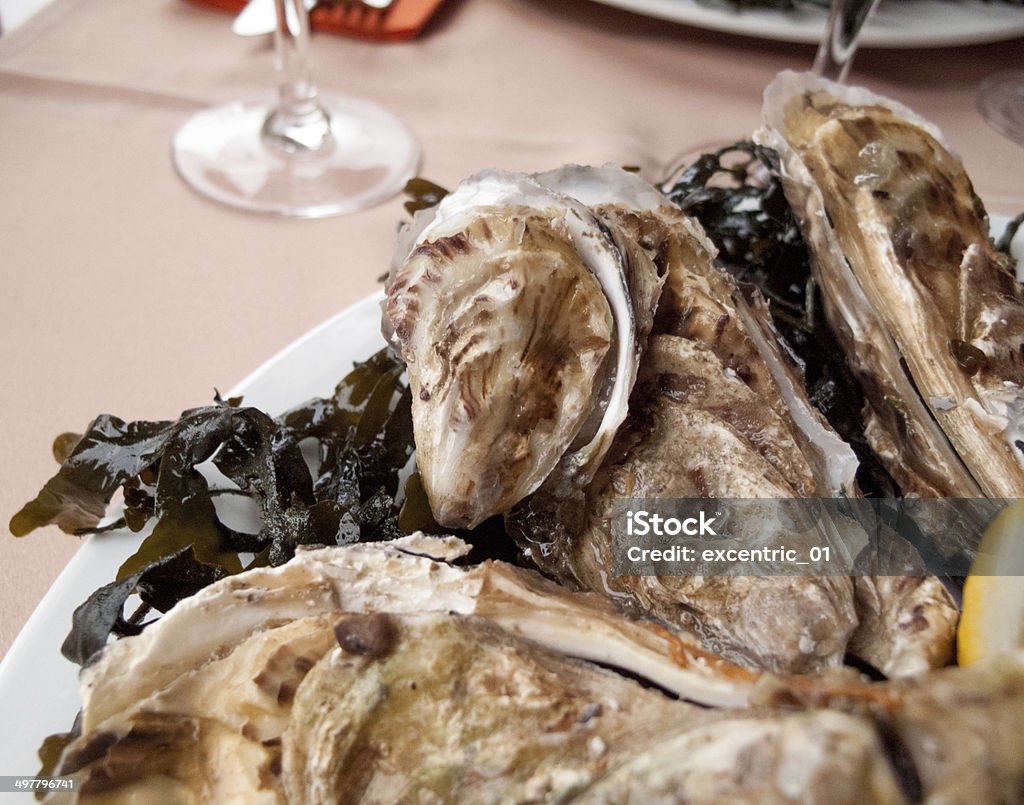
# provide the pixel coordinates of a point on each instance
(895, 24)
(38, 687)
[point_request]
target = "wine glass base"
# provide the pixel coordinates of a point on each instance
(1001, 103)
(221, 153)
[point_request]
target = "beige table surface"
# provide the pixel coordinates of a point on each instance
(124, 292)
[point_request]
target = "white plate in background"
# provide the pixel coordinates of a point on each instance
(895, 24)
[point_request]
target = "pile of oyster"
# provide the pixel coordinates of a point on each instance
(386, 673)
(570, 341)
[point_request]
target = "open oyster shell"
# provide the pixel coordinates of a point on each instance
(930, 315)
(382, 673)
(412, 574)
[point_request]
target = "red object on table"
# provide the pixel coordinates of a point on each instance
(404, 19)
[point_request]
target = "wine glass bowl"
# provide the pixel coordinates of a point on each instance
(302, 153)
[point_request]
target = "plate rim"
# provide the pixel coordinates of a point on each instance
(778, 25)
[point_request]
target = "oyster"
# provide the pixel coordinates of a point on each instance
(374, 691)
(515, 310)
(733, 419)
(411, 574)
(955, 734)
(718, 411)
(696, 429)
(929, 314)
(455, 710)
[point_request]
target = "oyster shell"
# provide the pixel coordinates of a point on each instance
(718, 411)
(515, 310)
(375, 692)
(955, 734)
(930, 315)
(695, 432)
(411, 574)
(720, 402)
(461, 711)
(906, 624)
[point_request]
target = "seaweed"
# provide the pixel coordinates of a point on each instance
(108, 456)
(744, 211)
(171, 473)
(50, 752)
(423, 194)
(159, 585)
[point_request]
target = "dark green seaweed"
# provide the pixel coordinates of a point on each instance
(350, 491)
(97, 617)
(423, 194)
(109, 455)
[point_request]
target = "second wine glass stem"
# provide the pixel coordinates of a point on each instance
(839, 42)
(299, 123)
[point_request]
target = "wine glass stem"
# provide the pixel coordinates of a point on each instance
(839, 42)
(299, 123)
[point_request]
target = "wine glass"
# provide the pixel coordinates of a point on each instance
(846, 20)
(1001, 102)
(302, 153)
(833, 61)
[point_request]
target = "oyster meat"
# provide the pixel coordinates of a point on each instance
(929, 313)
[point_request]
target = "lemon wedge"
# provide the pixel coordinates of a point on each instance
(992, 622)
